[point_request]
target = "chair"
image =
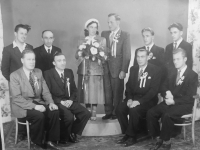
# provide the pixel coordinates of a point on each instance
(27, 128)
(190, 120)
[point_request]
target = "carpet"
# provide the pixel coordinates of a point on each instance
(106, 142)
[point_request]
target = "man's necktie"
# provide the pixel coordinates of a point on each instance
(49, 51)
(174, 45)
(178, 76)
(111, 38)
(140, 74)
(32, 82)
(62, 78)
(147, 48)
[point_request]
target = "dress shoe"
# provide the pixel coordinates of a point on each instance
(65, 142)
(157, 145)
(124, 139)
(166, 146)
(51, 146)
(113, 117)
(73, 138)
(131, 141)
(36, 147)
(106, 117)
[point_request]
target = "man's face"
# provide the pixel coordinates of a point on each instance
(28, 61)
(21, 35)
(92, 29)
(48, 38)
(179, 60)
(59, 62)
(142, 58)
(113, 24)
(147, 37)
(176, 34)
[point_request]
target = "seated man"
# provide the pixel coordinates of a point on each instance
(141, 95)
(177, 91)
(32, 100)
(64, 92)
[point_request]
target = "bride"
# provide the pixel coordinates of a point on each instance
(91, 55)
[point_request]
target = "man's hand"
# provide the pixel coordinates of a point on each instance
(169, 101)
(53, 106)
(129, 102)
(122, 75)
(134, 104)
(67, 103)
(40, 108)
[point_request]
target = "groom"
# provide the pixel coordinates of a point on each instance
(118, 44)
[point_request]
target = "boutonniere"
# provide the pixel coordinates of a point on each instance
(154, 58)
(180, 81)
(143, 79)
(150, 55)
(36, 81)
(116, 37)
(149, 77)
(68, 86)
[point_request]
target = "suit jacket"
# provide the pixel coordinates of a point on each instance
(169, 54)
(123, 53)
(158, 56)
(59, 89)
(11, 59)
(91, 67)
(183, 93)
(44, 61)
(147, 94)
(23, 95)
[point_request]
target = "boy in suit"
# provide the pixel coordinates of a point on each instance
(64, 92)
(32, 101)
(141, 95)
(178, 91)
(119, 46)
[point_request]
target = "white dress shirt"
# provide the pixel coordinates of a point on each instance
(178, 42)
(23, 47)
(150, 46)
(47, 48)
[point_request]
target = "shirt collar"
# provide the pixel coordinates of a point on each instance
(115, 32)
(47, 48)
(59, 72)
(15, 45)
(143, 68)
(182, 70)
(178, 42)
(150, 46)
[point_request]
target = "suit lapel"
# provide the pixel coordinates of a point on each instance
(135, 78)
(43, 51)
(58, 79)
(53, 51)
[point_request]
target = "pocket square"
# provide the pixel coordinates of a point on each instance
(149, 77)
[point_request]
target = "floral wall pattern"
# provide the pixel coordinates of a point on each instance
(193, 37)
(4, 90)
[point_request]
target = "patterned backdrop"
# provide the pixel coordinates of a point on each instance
(193, 36)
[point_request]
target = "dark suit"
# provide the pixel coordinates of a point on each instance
(24, 101)
(169, 54)
(147, 97)
(157, 59)
(44, 61)
(184, 101)
(60, 93)
(113, 68)
(11, 60)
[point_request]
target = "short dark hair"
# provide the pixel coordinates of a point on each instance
(46, 31)
(24, 26)
(57, 54)
(180, 50)
(27, 51)
(176, 25)
(86, 32)
(117, 17)
(148, 29)
(143, 50)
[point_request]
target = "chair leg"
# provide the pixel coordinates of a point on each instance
(16, 130)
(193, 136)
(28, 134)
(184, 133)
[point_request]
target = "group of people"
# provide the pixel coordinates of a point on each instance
(44, 92)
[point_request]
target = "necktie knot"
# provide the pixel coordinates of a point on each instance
(62, 77)
(147, 48)
(175, 45)
(140, 74)
(49, 51)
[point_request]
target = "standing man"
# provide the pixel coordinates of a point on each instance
(141, 95)
(11, 59)
(118, 43)
(177, 91)
(32, 101)
(44, 54)
(64, 92)
(156, 53)
(176, 31)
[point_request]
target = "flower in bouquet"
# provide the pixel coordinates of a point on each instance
(102, 54)
(93, 50)
(96, 44)
(81, 47)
